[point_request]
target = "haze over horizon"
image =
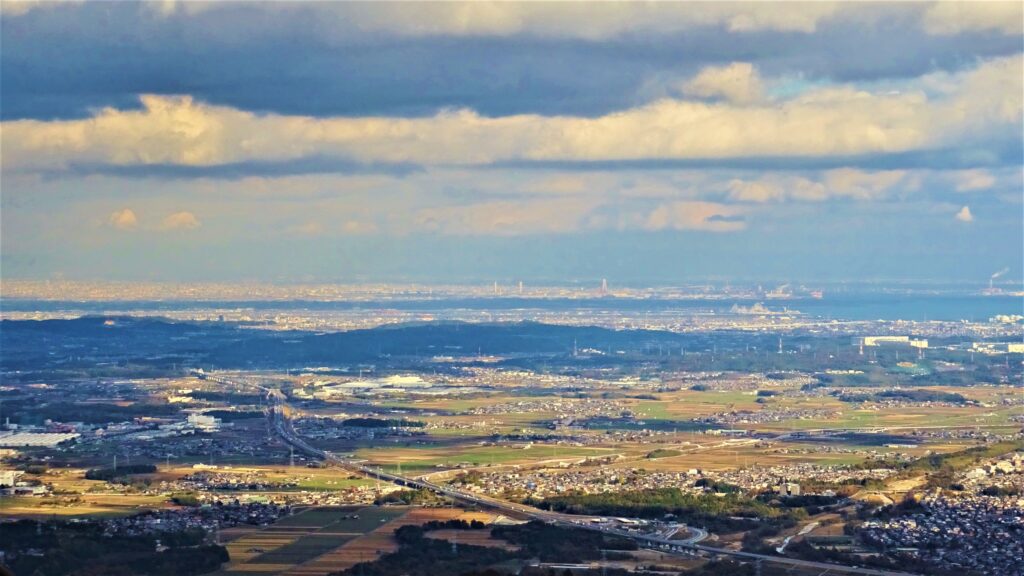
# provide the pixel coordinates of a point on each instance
(645, 143)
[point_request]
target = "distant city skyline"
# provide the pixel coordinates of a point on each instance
(648, 144)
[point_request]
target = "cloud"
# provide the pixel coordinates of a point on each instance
(127, 220)
(14, 8)
(964, 215)
(310, 228)
(596, 21)
(981, 105)
(348, 227)
(566, 215)
(180, 221)
(695, 215)
(738, 82)
(506, 218)
(756, 190)
(355, 227)
(123, 219)
(588, 21)
(838, 183)
(559, 184)
(973, 180)
(860, 184)
(946, 18)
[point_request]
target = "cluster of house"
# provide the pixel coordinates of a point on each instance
(980, 534)
(783, 480)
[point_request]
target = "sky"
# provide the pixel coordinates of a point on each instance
(646, 143)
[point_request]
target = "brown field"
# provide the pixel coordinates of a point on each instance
(906, 484)
(380, 541)
(251, 545)
(426, 459)
(471, 537)
(830, 526)
(299, 537)
(247, 545)
(649, 557)
(735, 456)
(82, 505)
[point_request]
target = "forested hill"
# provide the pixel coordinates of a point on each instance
(93, 340)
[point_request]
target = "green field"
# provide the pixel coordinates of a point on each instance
(430, 457)
(326, 483)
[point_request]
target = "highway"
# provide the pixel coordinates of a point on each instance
(282, 425)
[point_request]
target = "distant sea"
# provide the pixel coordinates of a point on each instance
(874, 306)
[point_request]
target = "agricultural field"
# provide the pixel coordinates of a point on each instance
(319, 541)
(429, 458)
(381, 541)
(301, 538)
(79, 506)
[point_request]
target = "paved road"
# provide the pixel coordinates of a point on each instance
(283, 426)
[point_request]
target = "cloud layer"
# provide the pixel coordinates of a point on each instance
(982, 105)
(249, 139)
(598, 21)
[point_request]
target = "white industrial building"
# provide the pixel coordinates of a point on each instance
(24, 439)
(8, 478)
(204, 422)
(889, 341)
(998, 347)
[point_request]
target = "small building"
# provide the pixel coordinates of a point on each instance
(204, 422)
(788, 489)
(9, 478)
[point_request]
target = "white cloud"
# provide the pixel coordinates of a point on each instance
(860, 184)
(180, 221)
(964, 215)
(14, 8)
(347, 227)
(696, 215)
(123, 219)
(838, 183)
(973, 180)
(356, 227)
(823, 123)
(756, 190)
(955, 17)
(738, 82)
(506, 218)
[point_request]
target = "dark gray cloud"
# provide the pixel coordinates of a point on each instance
(235, 170)
(62, 62)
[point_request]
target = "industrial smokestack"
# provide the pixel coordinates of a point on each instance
(996, 275)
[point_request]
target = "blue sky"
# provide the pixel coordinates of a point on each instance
(649, 143)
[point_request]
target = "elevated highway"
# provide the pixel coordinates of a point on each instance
(281, 424)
